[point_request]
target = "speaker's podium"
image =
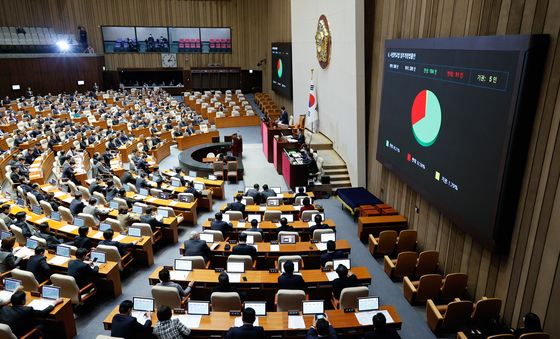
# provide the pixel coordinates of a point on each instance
(295, 172)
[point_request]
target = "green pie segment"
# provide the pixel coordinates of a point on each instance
(426, 118)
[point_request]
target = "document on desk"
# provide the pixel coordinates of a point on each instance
(179, 275)
(331, 275)
(141, 316)
(42, 220)
(151, 199)
(274, 248)
(238, 322)
(119, 237)
(23, 252)
(173, 203)
(295, 322)
(241, 225)
(277, 224)
(262, 208)
(58, 260)
(321, 246)
(59, 194)
(234, 277)
(189, 320)
(365, 318)
(311, 223)
(98, 235)
(41, 304)
(68, 228)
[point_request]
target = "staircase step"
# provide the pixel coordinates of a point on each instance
(341, 184)
(335, 171)
(334, 166)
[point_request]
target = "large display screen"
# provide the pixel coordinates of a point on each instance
(450, 125)
(282, 68)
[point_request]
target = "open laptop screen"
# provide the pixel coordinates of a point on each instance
(143, 304)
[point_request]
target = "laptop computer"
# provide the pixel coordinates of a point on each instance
(296, 266)
(276, 190)
(63, 251)
(137, 209)
(79, 222)
(209, 238)
(192, 174)
(55, 216)
(298, 187)
(36, 209)
(5, 234)
(183, 198)
(289, 217)
(134, 232)
(199, 186)
(50, 292)
(182, 265)
(175, 182)
(257, 217)
(20, 202)
(368, 304)
(312, 307)
(31, 244)
(235, 267)
(114, 205)
(288, 239)
(195, 307)
(344, 262)
(144, 191)
(11, 284)
(212, 177)
(163, 195)
(325, 237)
(104, 227)
(98, 257)
(258, 306)
(140, 306)
(162, 213)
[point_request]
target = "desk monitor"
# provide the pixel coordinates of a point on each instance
(143, 304)
(273, 202)
(163, 213)
(198, 307)
(313, 307)
(50, 292)
(137, 209)
(250, 239)
(343, 262)
(163, 195)
(208, 237)
(325, 237)
(16, 87)
(64, 188)
(199, 186)
(63, 251)
(104, 227)
(296, 266)
(182, 265)
(144, 192)
(258, 306)
(276, 190)
(175, 182)
(298, 187)
(114, 205)
(192, 174)
(31, 243)
(235, 267)
(134, 232)
(289, 217)
(36, 209)
(212, 177)
(5, 234)
(257, 217)
(79, 222)
(11, 284)
(368, 304)
(288, 239)
(183, 198)
(225, 217)
(55, 216)
(20, 202)
(100, 256)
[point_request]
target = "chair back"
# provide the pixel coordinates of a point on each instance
(111, 253)
(218, 166)
(32, 199)
(3, 226)
(406, 241)
(485, 309)
(65, 214)
(232, 166)
(115, 225)
(386, 243)
(225, 301)
(249, 200)
(166, 295)
(317, 233)
(18, 233)
(535, 335)
(72, 186)
(154, 192)
(41, 242)
(46, 207)
(349, 296)
(27, 278)
(234, 215)
(281, 233)
(306, 215)
(100, 198)
(122, 202)
(130, 187)
(245, 259)
(299, 200)
(145, 230)
(257, 236)
(68, 287)
(189, 196)
(272, 216)
(89, 220)
(6, 332)
(198, 261)
(501, 336)
(427, 263)
(85, 192)
(454, 285)
(406, 262)
(289, 300)
(294, 258)
(457, 314)
(218, 236)
(117, 181)
(428, 287)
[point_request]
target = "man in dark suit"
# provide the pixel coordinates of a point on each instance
(44, 233)
(237, 205)
(179, 176)
(82, 240)
(267, 192)
(331, 253)
(288, 280)
(190, 189)
(380, 329)
(253, 192)
(284, 226)
(149, 219)
(284, 118)
(255, 227)
(219, 225)
(111, 191)
(321, 329)
(345, 279)
(196, 247)
(247, 331)
(26, 229)
(21, 318)
(127, 178)
(37, 265)
(77, 205)
(124, 325)
(301, 192)
(318, 224)
(108, 236)
(243, 248)
(82, 272)
(141, 181)
(96, 186)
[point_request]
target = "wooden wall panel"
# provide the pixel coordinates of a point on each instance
(527, 279)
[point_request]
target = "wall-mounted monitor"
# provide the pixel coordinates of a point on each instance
(81, 82)
(282, 68)
(16, 87)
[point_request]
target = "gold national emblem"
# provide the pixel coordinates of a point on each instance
(323, 42)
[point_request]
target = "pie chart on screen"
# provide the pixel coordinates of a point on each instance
(426, 118)
(279, 68)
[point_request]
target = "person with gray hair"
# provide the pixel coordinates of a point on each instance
(196, 247)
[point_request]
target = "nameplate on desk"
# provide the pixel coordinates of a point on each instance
(313, 241)
(231, 241)
(68, 228)
(273, 270)
(169, 268)
(234, 313)
(42, 220)
(218, 270)
(293, 312)
(349, 310)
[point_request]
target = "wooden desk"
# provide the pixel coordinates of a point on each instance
(268, 134)
(129, 148)
(161, 152)
(276, 323)
(375, 224)
(269, 228)
(278, 147)
(41, 168)
(294, 174)
(65, 145)
(242, 120)
(186, 209)
(257, 209)
(196, 139)
(142, 131)
(98, 147)
(4, 161)
(63, 317)
(217, 186)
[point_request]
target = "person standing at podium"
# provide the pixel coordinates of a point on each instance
(284, 118)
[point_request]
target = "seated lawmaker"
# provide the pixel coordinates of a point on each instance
(219, 225)
(190, 189)
(21, 318)
(284, 118)
(345, 279)
(82, 240)
(168, 327)
(321, 329)
(165, 280)
(83, 273)
(242, 248)
(196, 247)
(284, 226)
(306, 207)
(331, 253)
(21, 222)
(44, 233)
(290, 281)
(237, 205)
(380, 329)
(8, 260)
(255, 227)
(124, 325)
(37, 264)
(125, 219)
(301, 192)
(149, 219)
(108, 236)
(247, 330)
(318, 224)
(77, 205)
(253, 192)
(267, 192)
(224, 285)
